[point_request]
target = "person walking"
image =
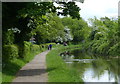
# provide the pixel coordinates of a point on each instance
(50, 47)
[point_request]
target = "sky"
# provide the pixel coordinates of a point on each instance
(98, 8)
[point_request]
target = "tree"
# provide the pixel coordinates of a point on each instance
(105, 38)
(69, 8)
(21, 15)
(49, 31)
(67, 35)
(79, 28)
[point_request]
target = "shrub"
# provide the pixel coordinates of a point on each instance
(35, 48)
(54, 44)
(9, 52)
(45, 46)
(26, 49)
(20, 52)
(8, 37)
(95, 45)
(115, 50)
(103, 48)
(40, 46)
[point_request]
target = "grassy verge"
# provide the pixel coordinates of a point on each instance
(57, 69)
(0, 77)
(10, 70)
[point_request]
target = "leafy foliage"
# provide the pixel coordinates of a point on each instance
(79, 28)
(69, 8)
(8, 37)
(115, 50)
(35, 15)
(104, 36)
(9, 52)
(48, 31)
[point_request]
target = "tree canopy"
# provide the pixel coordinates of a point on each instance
(40, 20)
(32, 16)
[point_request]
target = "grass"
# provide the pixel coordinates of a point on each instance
(57, 68)
(12, 67)
(0, 77)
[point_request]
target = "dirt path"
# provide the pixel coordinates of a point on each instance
(34, 71)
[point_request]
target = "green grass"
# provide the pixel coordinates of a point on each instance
(58, 71)
(0, 77)
(12, 67)
(57, 68)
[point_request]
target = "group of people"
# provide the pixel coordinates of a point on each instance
(50, 47)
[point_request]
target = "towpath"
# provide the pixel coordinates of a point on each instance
(34, 71)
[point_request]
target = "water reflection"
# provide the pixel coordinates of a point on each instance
(93, 68)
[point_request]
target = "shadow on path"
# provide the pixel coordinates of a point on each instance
(34, 71)
(31, 72)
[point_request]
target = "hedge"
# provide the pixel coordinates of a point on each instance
(9, 52)
(26, 50)
(22, 51)
(29, 48)
(46, 45)
(35, 48)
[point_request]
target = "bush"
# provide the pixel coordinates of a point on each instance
(40, 46)
(8, 37)
(9, 52)
(115, 50)
(45, 46)
(22, 51)
(26, 49)
(35, 48)
(95, 46)
(103, 48)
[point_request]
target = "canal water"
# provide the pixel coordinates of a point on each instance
(93, 68)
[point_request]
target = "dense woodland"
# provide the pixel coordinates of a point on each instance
(38, 23)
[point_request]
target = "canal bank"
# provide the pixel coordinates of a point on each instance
(57, 69)
(72, 64)
(92, 68)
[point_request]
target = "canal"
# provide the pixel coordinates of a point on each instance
(93, 68)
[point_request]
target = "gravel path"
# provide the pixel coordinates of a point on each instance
(34, 71)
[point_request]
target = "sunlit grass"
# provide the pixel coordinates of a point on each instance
(57, 69)
(0, 77)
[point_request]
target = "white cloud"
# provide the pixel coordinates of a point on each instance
(98, 8)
